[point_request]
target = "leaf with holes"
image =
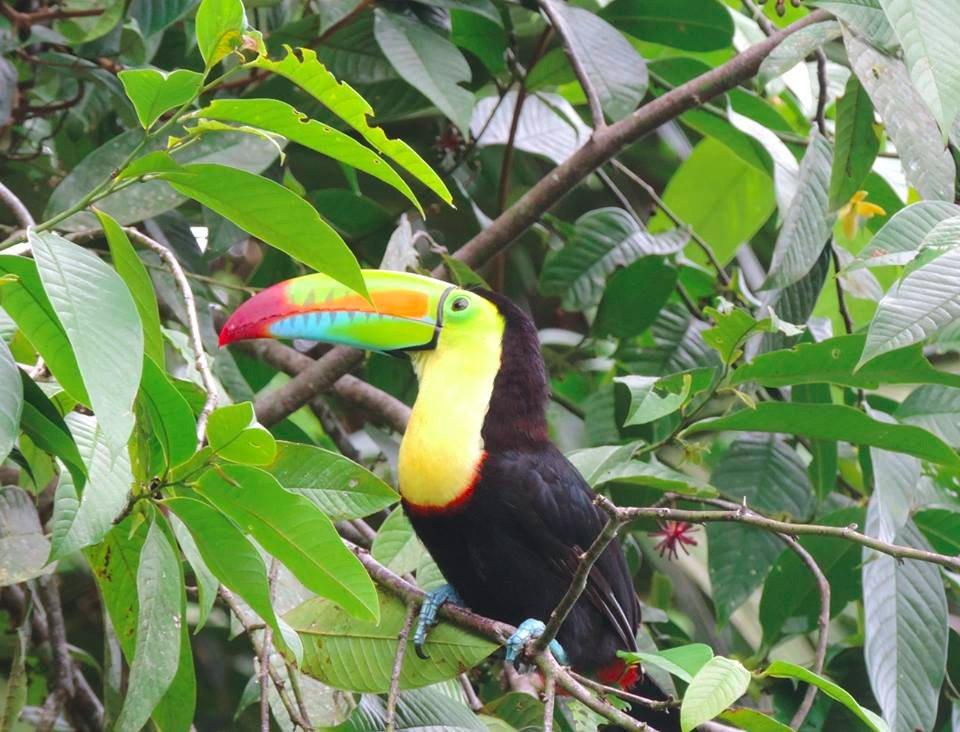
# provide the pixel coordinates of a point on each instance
(219, 27)
(234, 434)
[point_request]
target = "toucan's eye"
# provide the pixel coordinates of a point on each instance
(461, 303)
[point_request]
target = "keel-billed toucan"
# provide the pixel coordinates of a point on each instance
(501, 510)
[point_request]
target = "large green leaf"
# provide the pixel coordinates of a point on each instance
(155, 92)
(684, 662)
(155, 15)
(905, 618)
(807, 224)
(716, 686)
(617, 72)
(145, 200)
(23, 298)
(157, 654)
(791, 597)
(101, 322)
(219, 26)
(927, 164)
(338, 486)
(925, 301)
(834, 361)
(396, 546)
(207, 583)
(171, 418)
(358, 655)
(786, 670)
(418, 710)
(941, 527)
(276, 116)
(634, 297)
(935, 408)
(725, 199)
(602, 241)
(833, 422)
(926, 29)
(234, 434)
(134, 274)
(105, 493)
(899, 238)
(693, 25)
(857, 144)
(339, 98)
(866, 16)
(23, 547)
(267, 210)
(650, 399)
(11, 400)
(427, 61)
(615, 464)
(42, 423)
(738, 560)
(295, 531)
(480, 35)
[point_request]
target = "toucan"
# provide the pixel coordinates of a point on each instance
(502, 512)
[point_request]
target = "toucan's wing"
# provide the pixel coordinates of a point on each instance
(560, 521)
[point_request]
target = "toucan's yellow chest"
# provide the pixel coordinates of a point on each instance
(442, 449)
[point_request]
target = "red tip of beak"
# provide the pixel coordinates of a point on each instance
(252, 319)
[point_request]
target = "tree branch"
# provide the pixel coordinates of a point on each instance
(193, 323)
(16, 206)
(403, 639)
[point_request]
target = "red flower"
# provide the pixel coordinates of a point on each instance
(676, 534)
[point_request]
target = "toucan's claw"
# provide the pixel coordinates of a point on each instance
(428, 615)
(528, 630)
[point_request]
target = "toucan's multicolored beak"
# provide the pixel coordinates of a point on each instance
(405, 312)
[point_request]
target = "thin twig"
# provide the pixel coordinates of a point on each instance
(264, 655)
(62, 667)
(626, 695)
(578, 582)
(841, 296)
(662, 205)
(403, 640)
(473, 701)
(549, 700)
(766, 25)
(555, 16)
(822, 90)
(193, 323)
(16, 206)
(293, 674)
(823, 623)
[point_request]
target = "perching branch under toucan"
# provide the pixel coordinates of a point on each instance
(501, 510)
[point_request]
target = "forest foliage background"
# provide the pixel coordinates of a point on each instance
(736, 227)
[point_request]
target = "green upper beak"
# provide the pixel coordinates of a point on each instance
(404, 312)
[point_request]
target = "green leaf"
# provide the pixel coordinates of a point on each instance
(857, 144)
(155, 15)
(934, 408)
(634, 297)
(24, 300)
(42, 423)
(905, 618)
(941, 527)
(899, 238)
(295, 531)
(155, 92)
(614, 464)
(791, 598)
(157, 654)
(14, 695)
(270, 212)
(279, 117)
(106, 491)
(617, 72)
(395, 545)
(928, 165)
(234, 434)
(785, 670)
(833, 422)
(517, 710)
(833, 361)
(807, 224)
(11, 400)
(682, 661)
(925, 29)
(715, 687)
(602, 241)
(733, 328)
(750, 719)
(739, 558)
(482, 36)
(427, 61)
(23, 547)
(725, 199)
(219, 27)
(134, 274)
(171, 418)
(146, 200)
(358, 655)
(867, 17)
(101, 323)
(693, 25)
(418, 710)
(646, 405)
(82, 29)
(797, 46)
(337, 486)
(229, 556)
(926, 300)
(207, 582)
(353, 109)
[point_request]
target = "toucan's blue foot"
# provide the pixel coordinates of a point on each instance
(528, 630)
(428, 614)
